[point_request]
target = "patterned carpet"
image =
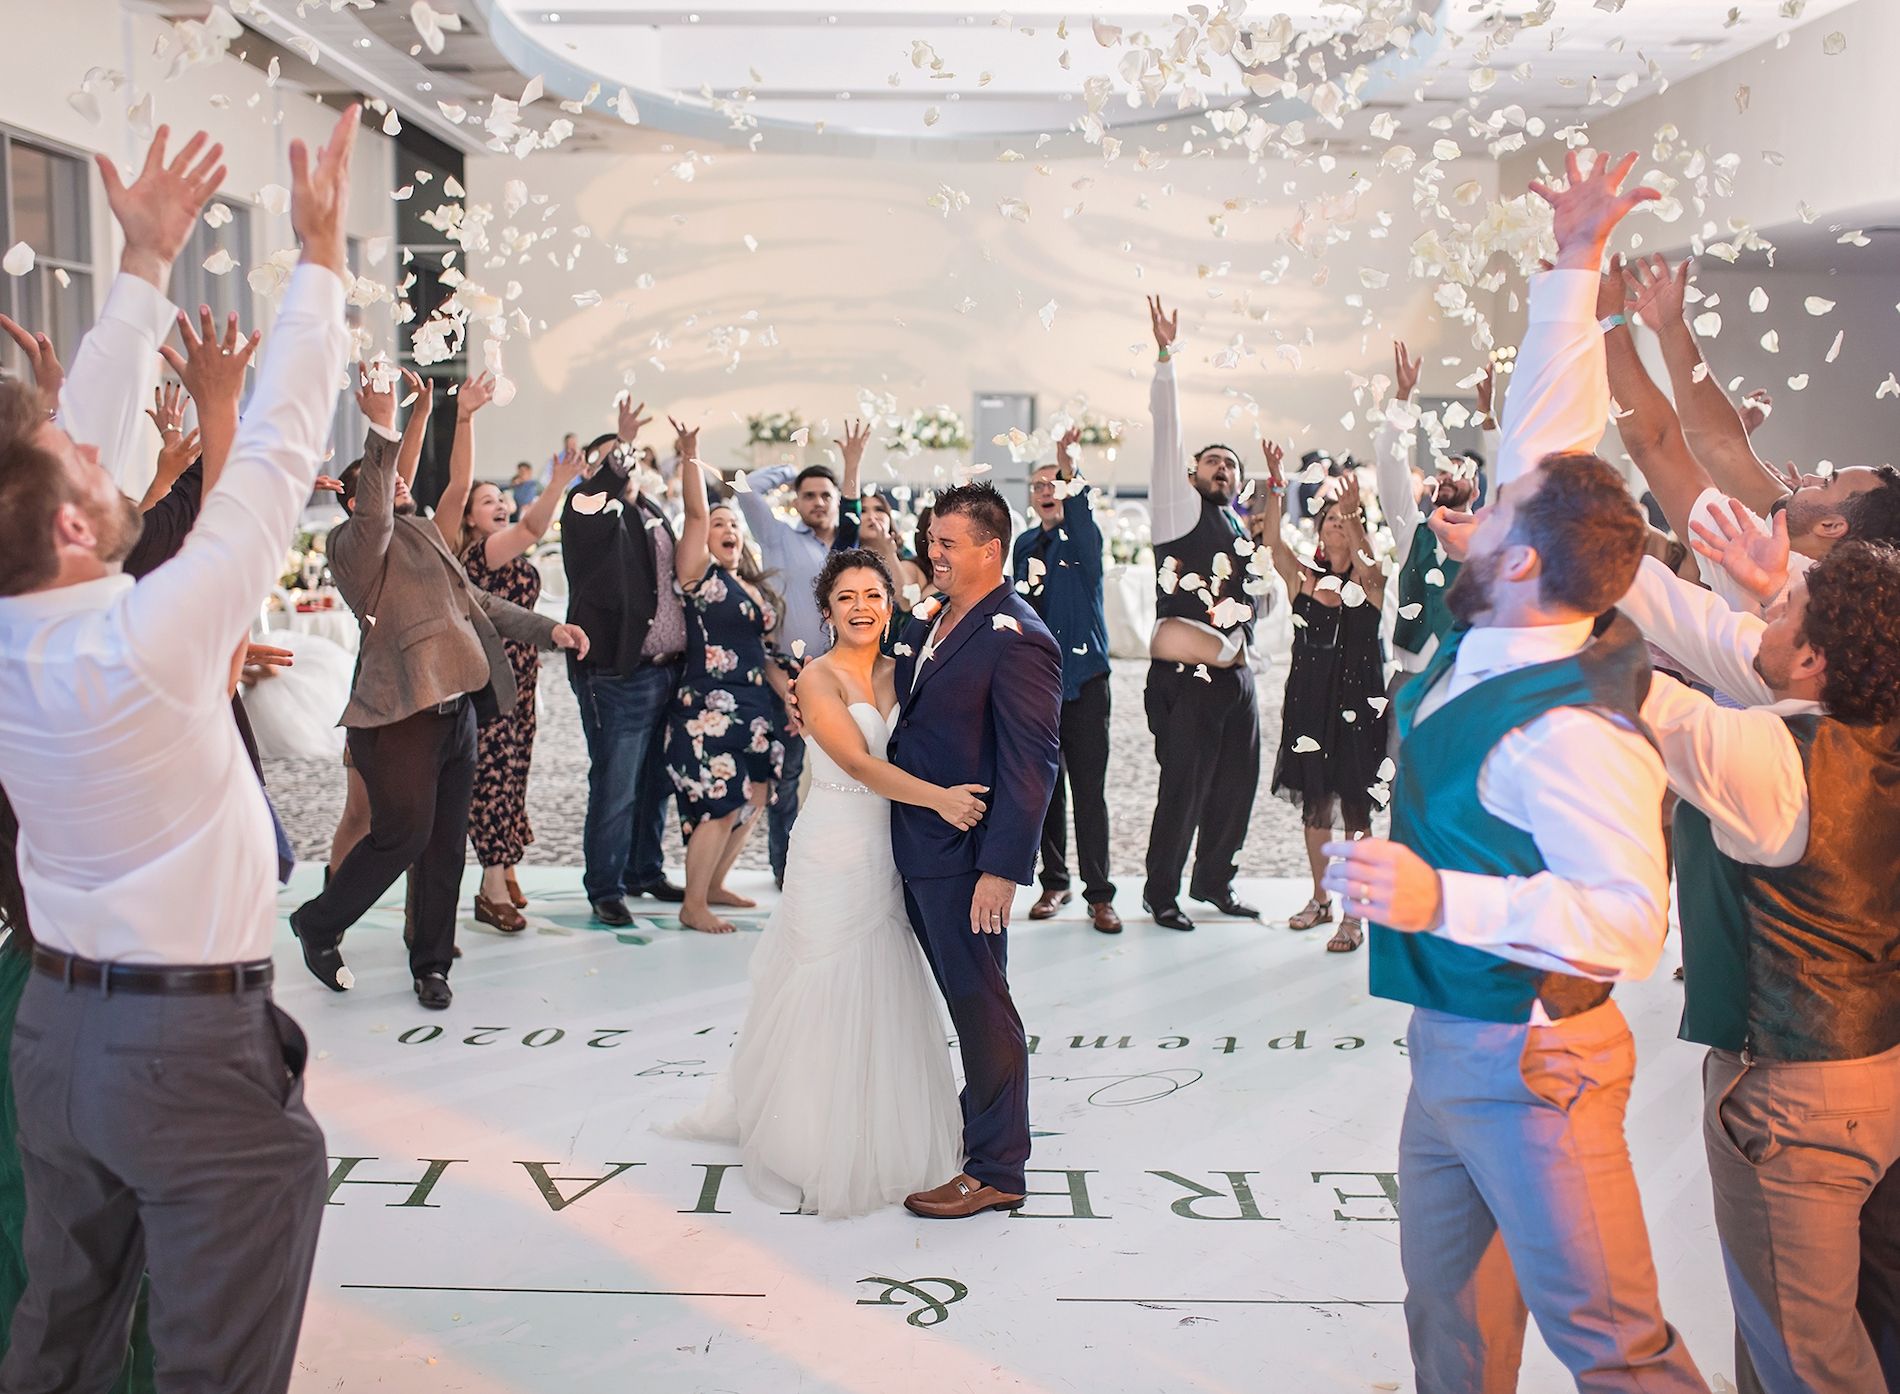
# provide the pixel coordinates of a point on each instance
(309, 793)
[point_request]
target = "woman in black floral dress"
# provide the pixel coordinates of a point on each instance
(724, 740)
(494, 551)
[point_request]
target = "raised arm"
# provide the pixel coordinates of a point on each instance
(1174, 505)
(1352, 513)
(182, 620)
(1392, 455)
(1266, 521)
(1560, 393)
(177, 448)
(416, 428)
(690, 554)
(473, 395)
(504, 546)
(826, 718)
(1697, 628)
(1710, 423)
(212, 371)
(850, 531)
(755, 500)
(114, 366)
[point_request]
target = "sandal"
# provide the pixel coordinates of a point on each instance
(1349, 936)
(499, 914)
(519, 900)
(1317, 912)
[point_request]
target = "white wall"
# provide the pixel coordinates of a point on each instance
(861, 280)
(56, 43)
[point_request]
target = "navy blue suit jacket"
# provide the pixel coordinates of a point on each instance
(986, 709)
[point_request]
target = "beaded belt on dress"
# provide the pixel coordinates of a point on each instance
(839, 788)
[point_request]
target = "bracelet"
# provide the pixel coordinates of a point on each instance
(1609, 322)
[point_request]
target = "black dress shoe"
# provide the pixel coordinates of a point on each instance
(325, 962)
(661, 889)
(432, 990)
(1169, 916)
(1228, 904)
(613, 912)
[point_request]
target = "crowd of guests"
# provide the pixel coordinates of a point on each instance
(1524, 874)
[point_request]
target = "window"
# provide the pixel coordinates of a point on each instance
(193, 286)
(45, 205)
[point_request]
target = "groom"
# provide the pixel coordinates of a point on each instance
(979, 682)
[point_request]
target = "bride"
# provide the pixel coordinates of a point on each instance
(840, 1094)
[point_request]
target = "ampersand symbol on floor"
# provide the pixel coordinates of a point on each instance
(934, 1308)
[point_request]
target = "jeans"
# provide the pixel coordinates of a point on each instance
(782, 812)
(623, 717)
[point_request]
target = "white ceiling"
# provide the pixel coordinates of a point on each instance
(848, 74)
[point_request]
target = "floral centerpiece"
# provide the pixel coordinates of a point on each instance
(933, 428)
(305, 562)
(1097, 430)
(773, 428)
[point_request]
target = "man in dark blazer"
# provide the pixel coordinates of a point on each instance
(617, 548)
(979, 683)
(431, 662)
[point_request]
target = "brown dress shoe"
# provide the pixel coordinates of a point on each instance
(498, 913)
(1104, 918)
(958, 1199)
(1048, 903)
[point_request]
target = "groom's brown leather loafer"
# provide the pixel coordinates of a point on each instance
(1048, 903)
(958, 1199)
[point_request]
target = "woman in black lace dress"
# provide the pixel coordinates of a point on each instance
(1333, 726)
(724, 740)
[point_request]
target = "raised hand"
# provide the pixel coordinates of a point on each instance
(1757, 561)
(41, 361)
(1065, 451)
(1487, 394)
(1611, 296)
(1272, 450)
(1404, 372)
(685, 442)
(1165, 326)
(320, 193)
(1588, 207)
(157, 210)
(473, 395)
(168, 410)
(630, 422)
(567, 469)
(421, 393)
(376, 398)
(1654, 294)
(175, 454)
(856, 435)
(212, 369)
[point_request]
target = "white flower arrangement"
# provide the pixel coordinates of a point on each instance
(934, 428)
(1097, 429)
(773, 428)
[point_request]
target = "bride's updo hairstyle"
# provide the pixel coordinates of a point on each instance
(850, 559)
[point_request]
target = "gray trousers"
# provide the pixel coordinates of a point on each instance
(164, 1135)
(1516, 1194)
(1807, 1204)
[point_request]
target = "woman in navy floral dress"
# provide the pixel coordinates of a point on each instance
(724, 740)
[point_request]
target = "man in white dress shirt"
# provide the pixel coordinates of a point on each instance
(162, 1125)
(1791, 938)
(1525, 876)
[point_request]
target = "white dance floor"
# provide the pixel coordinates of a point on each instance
(1216, 1119)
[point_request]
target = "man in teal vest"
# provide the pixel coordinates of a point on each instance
(1523, 877)
(1786, 842)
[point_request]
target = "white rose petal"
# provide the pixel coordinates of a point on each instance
(217, 214)
(18, 260)
(1815, 305)
(1708, 324)
(1047, 314)
(219, 263)
(1834, 349)
(1771, 342)
(1005, 622)
(1305, 745)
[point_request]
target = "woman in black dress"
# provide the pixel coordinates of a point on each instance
(725, 736)
(1333, 726)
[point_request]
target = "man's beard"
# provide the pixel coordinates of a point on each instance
(406, 507)
(1212, 492)
(1804, 515)
(117, 526)
(1469, 594)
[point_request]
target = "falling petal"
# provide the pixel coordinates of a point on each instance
(1815, 305)
(219, 263)
(18, 260)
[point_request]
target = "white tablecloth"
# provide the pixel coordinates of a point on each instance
(338, 625)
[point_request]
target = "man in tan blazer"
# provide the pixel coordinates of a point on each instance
(431, 666)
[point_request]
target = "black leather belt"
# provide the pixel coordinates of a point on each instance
(451, 706)
(150, 979)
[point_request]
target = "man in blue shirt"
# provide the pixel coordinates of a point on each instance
(1058, 568)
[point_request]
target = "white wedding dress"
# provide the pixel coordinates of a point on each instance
(839, 1095)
